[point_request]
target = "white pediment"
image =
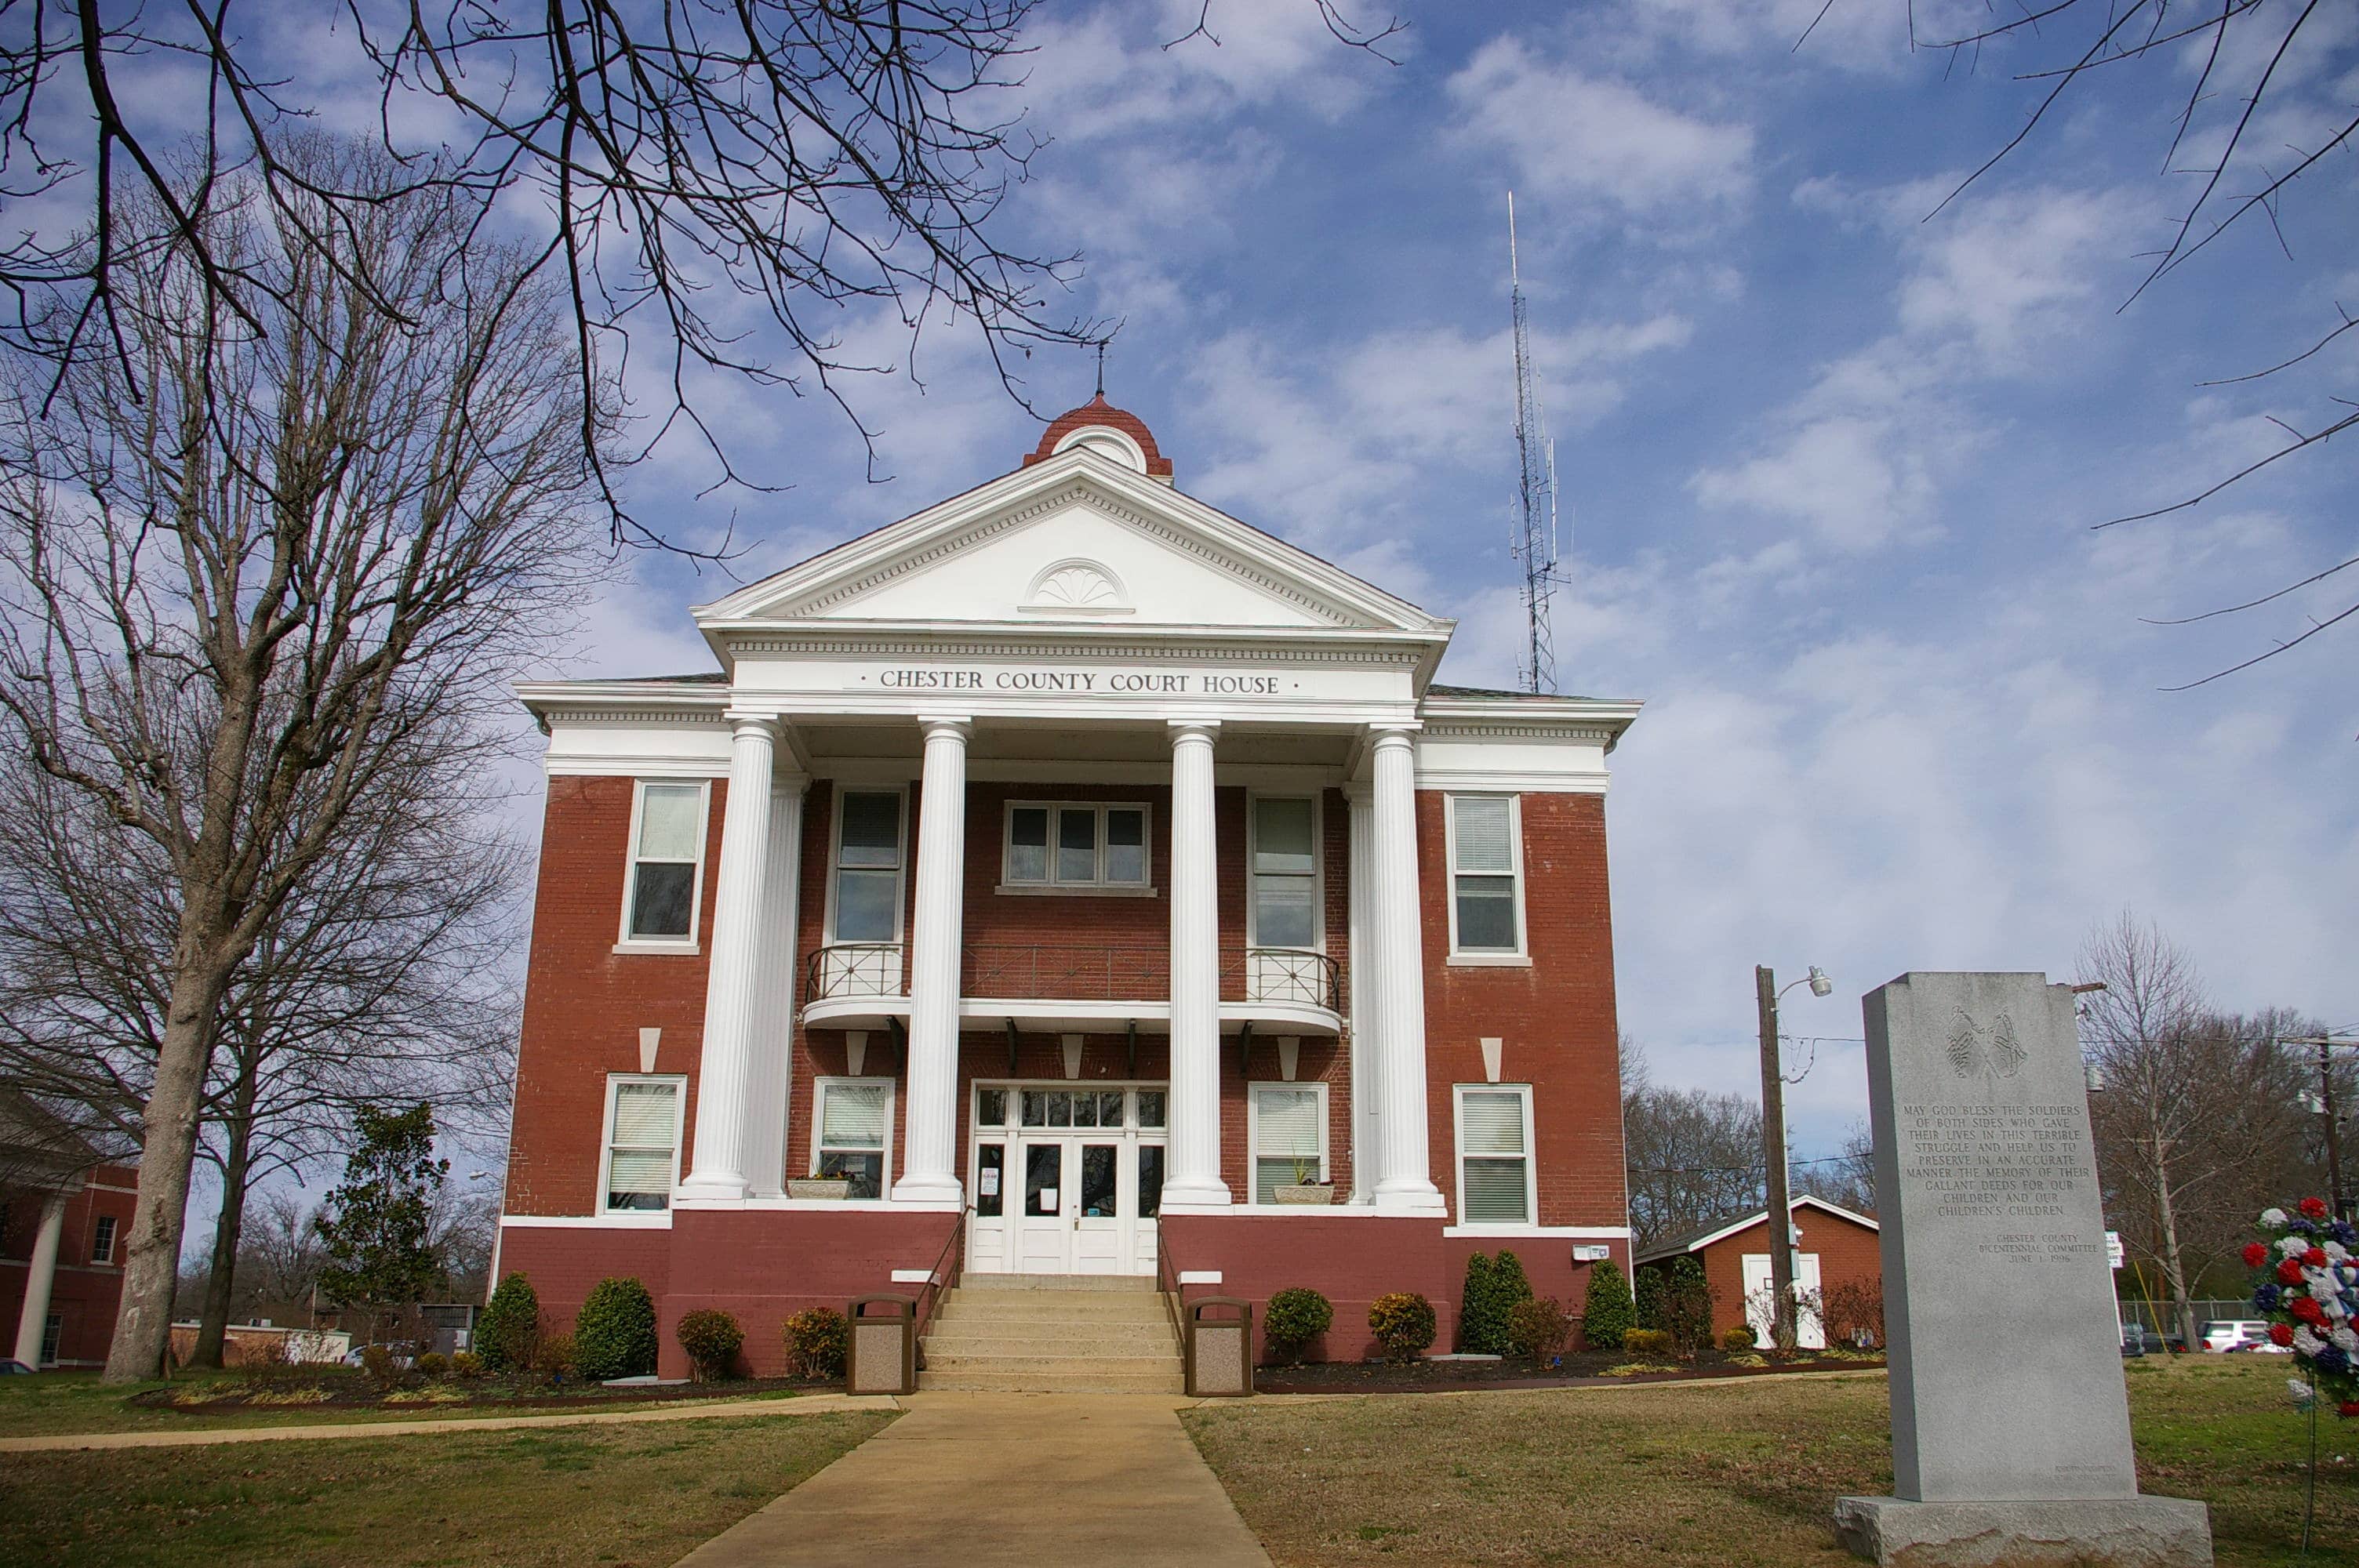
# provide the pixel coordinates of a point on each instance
(1076, 540)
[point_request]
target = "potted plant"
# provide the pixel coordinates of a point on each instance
(1306, 1187)
(825, 1187)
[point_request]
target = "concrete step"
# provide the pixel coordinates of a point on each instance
(1172, 1382)
(1145, 1283)
(1052, 1339)
(959, 1307)
(1071, 1366)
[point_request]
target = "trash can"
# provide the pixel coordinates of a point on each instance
(1220, 1347)
(883, 1356)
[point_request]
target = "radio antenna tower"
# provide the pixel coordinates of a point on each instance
(1532, 540)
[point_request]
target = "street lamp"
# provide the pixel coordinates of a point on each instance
(1773, 1148)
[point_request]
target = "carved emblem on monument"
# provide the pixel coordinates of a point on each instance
(1975, 1050)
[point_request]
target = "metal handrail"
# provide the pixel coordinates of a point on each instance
(931, 1296)
(1071, 970)
(1163, 1265)
(853, 969)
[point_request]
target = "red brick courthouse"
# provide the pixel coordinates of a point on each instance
(1069, 880)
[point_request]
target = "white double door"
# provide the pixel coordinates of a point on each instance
(1809, 1326)
(1055, 1198)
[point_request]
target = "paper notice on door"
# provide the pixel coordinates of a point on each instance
(991, 1184)
(1047, 1199)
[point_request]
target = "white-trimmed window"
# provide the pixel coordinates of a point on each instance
(1486, 875)
(855, 1138)
(1283, 835)
(1075, 845)
(641, 1164)
(102, 1241)
(865, 890)
(1494, 1155)
(662, 891)
(1285, 1126)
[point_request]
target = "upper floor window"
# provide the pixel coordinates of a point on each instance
(642, 1143)
(1486, 862)
(667, 862)
(866, 894)
(102, 1245)
(1285, 871)
(1081, 846)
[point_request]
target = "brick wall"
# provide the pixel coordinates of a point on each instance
(1847, 1253)
(84, 1292)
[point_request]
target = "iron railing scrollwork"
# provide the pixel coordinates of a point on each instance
(853, 969)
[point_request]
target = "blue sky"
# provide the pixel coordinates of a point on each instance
(1830, 465)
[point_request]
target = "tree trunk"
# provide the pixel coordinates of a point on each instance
(229, 1223)
(2174, 1264)
(168, 1148)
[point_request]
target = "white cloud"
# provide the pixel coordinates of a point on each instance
(1568, 133)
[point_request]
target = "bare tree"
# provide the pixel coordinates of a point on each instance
(1693, 1156)
(1847, 1178)
(2196, 1116)
(244, 571)
(2234, 134)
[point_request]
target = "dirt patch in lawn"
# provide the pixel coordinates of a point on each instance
(612, 1495)
(1711, 1474)
(348, 1395)
(1429, 1377)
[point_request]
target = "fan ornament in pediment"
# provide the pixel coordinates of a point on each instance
(1077, 587)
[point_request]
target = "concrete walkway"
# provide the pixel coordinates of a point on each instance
(699, 1410)
(1034, 1479)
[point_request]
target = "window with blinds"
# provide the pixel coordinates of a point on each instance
(1494, 1162)
(868, 866)
(1285, 873)
(855, 1126)
(1482, 874)
(661, 905)
(1289, 1137)
(643, 1149)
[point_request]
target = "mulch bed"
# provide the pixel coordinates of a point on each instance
(1457, 1377)
(356, 1395)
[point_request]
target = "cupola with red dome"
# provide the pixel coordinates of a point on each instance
(1113, 433)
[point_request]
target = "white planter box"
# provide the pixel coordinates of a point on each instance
(1305, 1193)
(818, 1187)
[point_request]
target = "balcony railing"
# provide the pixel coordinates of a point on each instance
(1077, 971)
(853, 969)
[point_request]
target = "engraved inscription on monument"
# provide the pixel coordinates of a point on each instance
(2018, 1168)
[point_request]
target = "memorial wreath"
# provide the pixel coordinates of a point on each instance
(2306, 1283)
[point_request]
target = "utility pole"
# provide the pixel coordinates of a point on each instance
(1773, 1157)
(2325, 1045)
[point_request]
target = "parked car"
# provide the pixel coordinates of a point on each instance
(2139, 1340)
(10, 1368)
(2233, 1333)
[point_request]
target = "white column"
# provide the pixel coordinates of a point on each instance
(776, 977)
(40, 1275)
(724, 1077)
(1194, 1176)
(931, 1117)
(1368, 1130)
(1405, 1177)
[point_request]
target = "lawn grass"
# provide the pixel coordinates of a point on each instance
(58, 1403)
(1735, 1472)
(611, 1495)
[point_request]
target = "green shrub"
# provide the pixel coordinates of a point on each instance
(816, 1342)
(1402, 1323)
(553, 1357)
(505, 1333)
(1688, 1301)
(1537, 1328)
(1646, 1294)
(615, 1332)
(1605, 1312)
(1648, 1341)
(1293, 1319)
(712, 1339)
(466, 1365)
(1478, 1326)
(1738, 1338)
(432, 1365)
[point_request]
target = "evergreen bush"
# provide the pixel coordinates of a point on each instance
(1606, 1312)
(1479, 1327)
(466, 1365)
(712, 1339)
(615, 1332)
(1738, 1338)
(1402, 1323)
(1648, 1341)
(432, 1365)
(504, 1336)
(1648, 1292)
(1293, 1319)
(1687, 1307)
(818, 1341)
